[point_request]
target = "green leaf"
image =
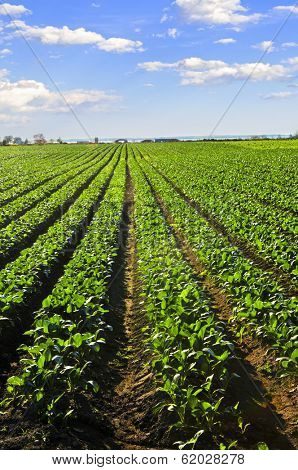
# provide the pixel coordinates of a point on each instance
(15, 381)
(205, 405)
(262, 446)
(78, 339)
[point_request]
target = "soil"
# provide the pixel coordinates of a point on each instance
(269, 404)
(121, 415)
(266, 265)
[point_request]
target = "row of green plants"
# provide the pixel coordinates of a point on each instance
(189, 352)
(23, 279)
(30, 180)
(20, 168)
(276, 163)
(19, 206)
(259, 303)
(221, 182)
(69, 332)
(14, 234)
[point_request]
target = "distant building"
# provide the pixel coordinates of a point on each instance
(96, 140)
(121, 141)
(147, 141)
(167, 140)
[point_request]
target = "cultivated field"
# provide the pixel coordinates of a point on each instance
(148, 296)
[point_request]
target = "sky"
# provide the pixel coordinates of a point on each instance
(131, 68)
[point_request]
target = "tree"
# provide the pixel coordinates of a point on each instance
(7, 139)
(18, 141)
(39, 139)
(26, 142)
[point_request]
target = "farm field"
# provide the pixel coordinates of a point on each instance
(148, 296)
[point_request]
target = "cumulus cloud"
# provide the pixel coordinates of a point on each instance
(293, 61)
(217, 11)
(289, 8)
(5, 53)
(197, 71)
(27, 96)
(280, 95)
(79, 36)
(266, 46)
(7, 9)
(225, 41)
(287, 45)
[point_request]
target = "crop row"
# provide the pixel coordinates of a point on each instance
(273, 165)
(26, 277)
(29, 179)
(26, 165)
(19, 206)
(190, 353)
(259, 303)
(69, 331)
(271, 233)
(19, 232)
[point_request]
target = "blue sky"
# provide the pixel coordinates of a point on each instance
(148, 68)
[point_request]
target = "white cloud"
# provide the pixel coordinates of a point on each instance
(27, 96)
(148, 85)
(164, 18)
(7, 9)
(280, 95)
(287, 45)
(197, 71)
(79, 36)
(13, 119)
(225, 41)
(156, 66)
(5, 53)
(173, 33)
(3, 73)
(289, 8)
(217, 11)
(266, 46)
(293, 61)
(95, 5)
(237, 29)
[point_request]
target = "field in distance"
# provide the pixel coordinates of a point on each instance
(148, 296)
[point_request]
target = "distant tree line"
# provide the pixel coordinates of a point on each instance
(38, 139)
(10, 139)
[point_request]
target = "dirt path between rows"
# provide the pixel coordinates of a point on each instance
(269, 404)
(243, 245)
(131, 391)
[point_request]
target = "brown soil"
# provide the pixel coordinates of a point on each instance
(269, 404)
(133, 393)
(244, 246)
(121, 415)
